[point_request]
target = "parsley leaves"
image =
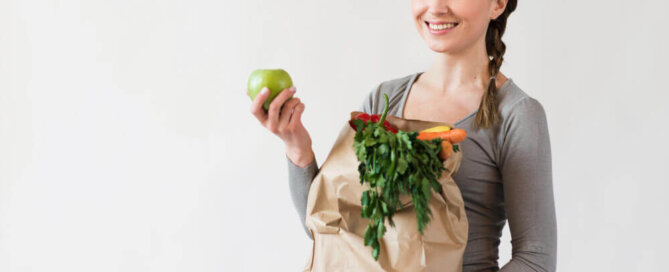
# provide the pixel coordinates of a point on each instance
(392, 164)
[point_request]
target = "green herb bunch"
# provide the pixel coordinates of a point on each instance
(392, 164)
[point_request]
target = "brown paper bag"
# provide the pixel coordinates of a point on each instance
(333, 217)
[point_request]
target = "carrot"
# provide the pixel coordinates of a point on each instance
(455, 135)
(446, 150)
(428, 135)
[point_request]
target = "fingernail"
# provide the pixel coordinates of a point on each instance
(293, 89)
(264, 90)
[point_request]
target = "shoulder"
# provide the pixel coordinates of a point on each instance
(515, 104)
(396, 85)
(523, 122)
(524, 136)
(394, 88)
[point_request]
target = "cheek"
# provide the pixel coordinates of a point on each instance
(419, 10)
(472, 12)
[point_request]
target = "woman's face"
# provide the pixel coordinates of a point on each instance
(471, 18)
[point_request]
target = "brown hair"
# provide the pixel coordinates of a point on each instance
(488, 114)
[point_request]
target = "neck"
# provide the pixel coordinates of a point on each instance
(463, 70)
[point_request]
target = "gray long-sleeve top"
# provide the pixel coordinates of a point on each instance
(506, 173)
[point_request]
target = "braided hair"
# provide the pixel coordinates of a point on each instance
(488, 114)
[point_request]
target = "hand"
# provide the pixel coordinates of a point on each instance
(284, 120)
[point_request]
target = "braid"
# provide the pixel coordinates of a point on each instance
(488, 114)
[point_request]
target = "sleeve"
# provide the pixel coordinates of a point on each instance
(300, 178)
(526, 170)
(367, 104)
(299, 182)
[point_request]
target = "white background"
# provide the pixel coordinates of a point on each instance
(126, 141)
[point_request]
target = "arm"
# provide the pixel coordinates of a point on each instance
(300, 178)
(299, 181)
(526, 169)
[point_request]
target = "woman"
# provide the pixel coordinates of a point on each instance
(506, 171)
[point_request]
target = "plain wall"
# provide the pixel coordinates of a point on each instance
(126, 141)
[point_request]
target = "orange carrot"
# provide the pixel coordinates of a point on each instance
(455, 135)
(428, 135)
(446, 150)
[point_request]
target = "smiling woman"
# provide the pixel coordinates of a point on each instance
(506, 169)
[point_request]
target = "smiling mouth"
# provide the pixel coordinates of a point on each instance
(440, 26)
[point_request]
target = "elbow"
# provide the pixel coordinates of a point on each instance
(537, 259)
(538, 254)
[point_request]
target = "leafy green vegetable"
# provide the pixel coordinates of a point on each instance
(392, 164)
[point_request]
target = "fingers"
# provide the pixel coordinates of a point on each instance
(288, 109)
(256, 106)
(296, 117)
(274, 107)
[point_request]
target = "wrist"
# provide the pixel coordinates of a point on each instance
(300, 157)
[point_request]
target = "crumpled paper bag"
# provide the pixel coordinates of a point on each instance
(333, 217)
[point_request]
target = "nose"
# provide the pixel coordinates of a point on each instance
(438, 8)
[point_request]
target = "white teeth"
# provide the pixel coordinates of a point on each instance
(440, 27)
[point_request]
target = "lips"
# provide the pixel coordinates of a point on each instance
(441, 22)
(442, 28)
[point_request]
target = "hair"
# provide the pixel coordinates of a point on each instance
(488, 114)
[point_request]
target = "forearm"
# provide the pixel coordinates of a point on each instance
(299, 182)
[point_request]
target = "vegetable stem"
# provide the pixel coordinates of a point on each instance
(385, 109)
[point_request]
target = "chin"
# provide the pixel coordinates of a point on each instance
(441, 47)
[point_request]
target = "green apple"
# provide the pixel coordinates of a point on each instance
(275, 79)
